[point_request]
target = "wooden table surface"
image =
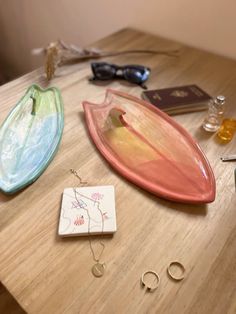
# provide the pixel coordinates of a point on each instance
(47, 274)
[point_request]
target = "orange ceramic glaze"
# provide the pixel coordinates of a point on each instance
(150, 149)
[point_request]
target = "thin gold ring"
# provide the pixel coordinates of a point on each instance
(150, 288)
(181, 266)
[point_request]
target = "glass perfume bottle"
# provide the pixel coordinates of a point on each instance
(215, 114)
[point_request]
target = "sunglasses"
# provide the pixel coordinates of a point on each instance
(136, 74)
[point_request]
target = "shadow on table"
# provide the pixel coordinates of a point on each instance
(7, 303)
(190, 209)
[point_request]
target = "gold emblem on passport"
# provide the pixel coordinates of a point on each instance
(156, 96)
(179, 93)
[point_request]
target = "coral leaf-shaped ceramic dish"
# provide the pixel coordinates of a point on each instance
(29, 137)
(150, 149)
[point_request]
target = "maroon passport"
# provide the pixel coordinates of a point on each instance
(179, 99)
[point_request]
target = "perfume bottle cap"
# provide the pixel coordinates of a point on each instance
(220, 99)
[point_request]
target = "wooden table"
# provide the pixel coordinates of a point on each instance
(47, 274)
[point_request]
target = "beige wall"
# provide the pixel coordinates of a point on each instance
(24, 24)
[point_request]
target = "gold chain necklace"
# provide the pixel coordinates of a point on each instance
(98, 268)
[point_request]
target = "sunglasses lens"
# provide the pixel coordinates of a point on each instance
(136, 75)
(103, 71)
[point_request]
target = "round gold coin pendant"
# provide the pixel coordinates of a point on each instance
(98, 270)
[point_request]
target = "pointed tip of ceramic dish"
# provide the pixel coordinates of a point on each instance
(150, 149)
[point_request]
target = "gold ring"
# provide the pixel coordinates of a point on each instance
(181, 266)
(150, 288)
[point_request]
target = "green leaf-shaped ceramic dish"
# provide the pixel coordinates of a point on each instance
(29, 137)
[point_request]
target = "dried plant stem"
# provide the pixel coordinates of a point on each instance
(169, 53)
(59, 53)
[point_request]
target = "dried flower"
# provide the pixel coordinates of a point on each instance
(59, 53)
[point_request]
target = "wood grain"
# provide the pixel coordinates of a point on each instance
(47, 274)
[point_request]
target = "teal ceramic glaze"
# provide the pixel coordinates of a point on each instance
(29, 137)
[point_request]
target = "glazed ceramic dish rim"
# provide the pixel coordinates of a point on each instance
(36, 174)
(129, 174)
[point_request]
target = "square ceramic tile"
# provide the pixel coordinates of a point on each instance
(87, 210)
